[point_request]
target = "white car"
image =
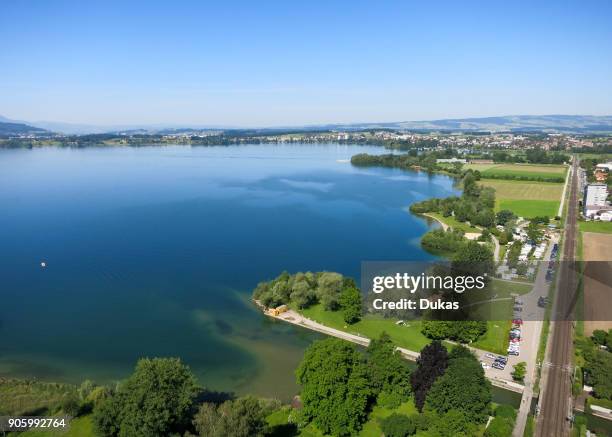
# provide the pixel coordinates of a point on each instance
(484, 365)
(490, 356)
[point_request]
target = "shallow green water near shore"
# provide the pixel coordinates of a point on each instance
(154, 252)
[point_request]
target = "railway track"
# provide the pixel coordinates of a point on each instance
(556, 404)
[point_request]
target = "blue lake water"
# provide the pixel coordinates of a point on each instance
(154, 251)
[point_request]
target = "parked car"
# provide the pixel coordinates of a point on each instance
(517, 321)
(498, 365)
(484, 365)
(514, 352)
(501, 359)
(490, 356)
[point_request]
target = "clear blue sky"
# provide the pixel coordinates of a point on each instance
(301, 62)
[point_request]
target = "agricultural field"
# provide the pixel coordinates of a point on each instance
(526, 199)
(596, 226)
(541, 172)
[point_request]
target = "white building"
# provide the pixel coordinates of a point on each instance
(595, 197)
(606, 165)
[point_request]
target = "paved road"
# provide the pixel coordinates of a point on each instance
(556, 400)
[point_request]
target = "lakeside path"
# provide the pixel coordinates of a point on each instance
(501, 379)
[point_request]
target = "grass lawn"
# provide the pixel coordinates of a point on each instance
(79, 427)
(592, 226)
(453, 223)
(529, 208)
(526, 199)
(408, 336)
(525, 190)
(515, 170)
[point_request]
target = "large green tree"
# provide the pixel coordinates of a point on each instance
(387, 371)
(335, 389)
(464, 388)
(155, 400)
(350, 302)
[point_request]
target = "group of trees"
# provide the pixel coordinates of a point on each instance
(332, 290)
(450, 392)
(463, 331)
(531, 156)
(475, 204)
(162, 398)
(598, 364)
(340, 384)
(441, 241)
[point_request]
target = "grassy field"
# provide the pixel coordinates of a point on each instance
(408, 336)
(526, 199)
(79, 427)
(530, 208)
(453, 223)
(499, 171)
(599, 227)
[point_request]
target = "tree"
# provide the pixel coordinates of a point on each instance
(335, 390)
(302, 294)
(397, 425)
(534, 233)
(474, 259)
(154, 401)
(467, 331)
(520, 369)
(431, 364)
(599, 337)
(329, 286)
(484, 218)
(388, 373)
(463, 387)
(436, 329)
(242, 417)
(598, 368)
(454, 423)
(504, 216)
(350, 302)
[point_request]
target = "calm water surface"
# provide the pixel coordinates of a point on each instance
(155, 251)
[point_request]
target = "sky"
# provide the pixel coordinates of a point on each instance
(281, 63)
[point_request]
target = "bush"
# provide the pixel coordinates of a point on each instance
(397, 425)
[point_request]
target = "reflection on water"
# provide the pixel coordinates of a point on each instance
(154, 252)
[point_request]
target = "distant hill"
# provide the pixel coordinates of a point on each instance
(9, 129)
(511, 123)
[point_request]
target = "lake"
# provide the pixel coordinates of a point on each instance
(154, 251)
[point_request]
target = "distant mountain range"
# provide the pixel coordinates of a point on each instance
(8, 128)
(512, 123)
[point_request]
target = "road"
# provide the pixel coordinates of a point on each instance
(555, 401)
